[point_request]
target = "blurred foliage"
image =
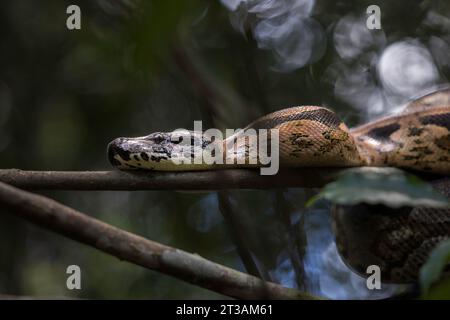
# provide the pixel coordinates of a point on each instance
(391, 187)
(141, 66)
(433, 270)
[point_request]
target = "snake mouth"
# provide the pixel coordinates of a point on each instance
(115, 148)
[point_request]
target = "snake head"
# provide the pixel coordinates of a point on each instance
(159, 150)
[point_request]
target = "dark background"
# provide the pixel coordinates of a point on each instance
(141, 66)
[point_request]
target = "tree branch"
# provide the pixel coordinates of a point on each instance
(191, 268)
(141, 180)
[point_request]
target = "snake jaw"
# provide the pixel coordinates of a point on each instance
(115, 151)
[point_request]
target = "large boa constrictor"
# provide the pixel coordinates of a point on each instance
(310, 136)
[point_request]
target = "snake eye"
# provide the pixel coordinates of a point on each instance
(158, 138)
(176, 140)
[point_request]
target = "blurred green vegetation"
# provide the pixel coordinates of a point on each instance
(434, 281)
(141, 66)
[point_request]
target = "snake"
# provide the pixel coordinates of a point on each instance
(415, 139)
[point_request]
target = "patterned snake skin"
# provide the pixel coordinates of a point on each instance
(397, 240)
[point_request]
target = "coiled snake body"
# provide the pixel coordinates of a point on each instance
(310, 136)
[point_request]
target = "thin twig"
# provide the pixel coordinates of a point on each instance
(191, 268)
(292, 235)
(239, 232)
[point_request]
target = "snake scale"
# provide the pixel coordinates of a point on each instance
(418, 139)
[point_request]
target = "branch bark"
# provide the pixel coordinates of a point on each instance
(141, 180)
(191, 268)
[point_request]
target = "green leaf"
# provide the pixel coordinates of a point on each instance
(432, 270)
(439, 291)
(388, 186)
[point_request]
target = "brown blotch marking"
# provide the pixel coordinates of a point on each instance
(350, 148)
(422, 150)
(298, 140)
(414, 131)
(300, 135)
(144, 156)
(332, 136)
(335, 135)
(159, 158)
(441, 120)
(383, 133)
(443, 142)
(410, 157)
